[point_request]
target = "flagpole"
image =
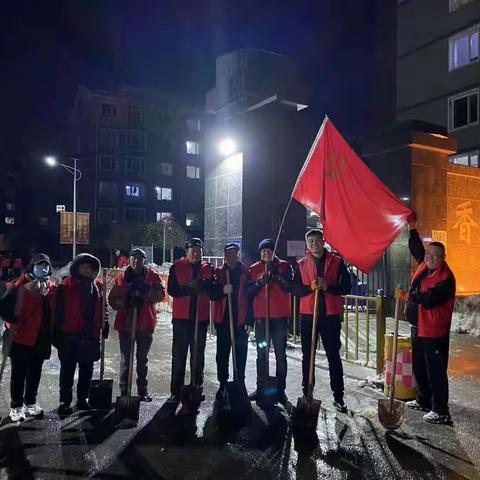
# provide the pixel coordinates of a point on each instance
(310, 153)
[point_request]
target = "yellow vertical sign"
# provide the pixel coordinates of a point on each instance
(83, 228)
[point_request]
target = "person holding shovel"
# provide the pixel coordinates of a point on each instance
(191, 283)
(78, 321)
(27, 307)
(138, 286)
(233, 279)
(429, 310)
(326, 272)
(278, 275)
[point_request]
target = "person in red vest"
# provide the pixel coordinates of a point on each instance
(278, 275)
(28, 310)
(190, 281)
(119, 260)
(17, 266)
(429, 310)
(237, 286)
(6, 265)
(78, 328)
(326, 272)
(139, 286)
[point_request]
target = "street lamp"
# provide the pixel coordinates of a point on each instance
(227, 147)
(77, 175)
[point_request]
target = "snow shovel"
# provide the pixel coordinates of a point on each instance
(192, 395)
(391, 411)
(267, 393)
(308, 408)
(100, 395)
(237, 392)
(127, 407)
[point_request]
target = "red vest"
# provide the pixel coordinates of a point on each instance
(122, 261)
(5, 262)
(435, 322)
(147, 314)
(29, 313)
(184, 274)
(219, 306)
(280, 305)
(308, 270)
(73, 320)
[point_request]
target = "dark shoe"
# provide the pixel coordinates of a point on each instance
(282, 398)
(415, 405)
(64, 409)
(83, 405)
(340, 406)
(253, 396)
(145, 398)
(435, 418)
(173, 398)
(221, 392)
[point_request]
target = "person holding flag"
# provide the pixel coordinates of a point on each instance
(326, 272)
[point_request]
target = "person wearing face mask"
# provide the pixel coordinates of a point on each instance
(190, 280)
(27, 308)
(139, 286)
(78, 328)
(429, 310)
(233, 278)
(277, 274)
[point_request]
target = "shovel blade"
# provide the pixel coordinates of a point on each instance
(306, 413)
(191, 397)
(127, 409)
(238, 396)
(391, 415)
(267, 393)
(100, 395)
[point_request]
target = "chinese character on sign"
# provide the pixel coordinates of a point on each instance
(465, 221)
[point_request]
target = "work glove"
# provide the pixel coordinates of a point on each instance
(248, 329)
(228, 289)
(264, 280)
(196, 286)
(105, 330)
(272, 268)
(318, 284)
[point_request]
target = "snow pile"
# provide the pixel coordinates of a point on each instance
(466, 318)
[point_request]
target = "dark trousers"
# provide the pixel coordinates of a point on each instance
(278, 331)
(25, 375)
(430, 363)
(183, 340)
(223, 350)
(143, 340)
(67, 372)
(329, 329)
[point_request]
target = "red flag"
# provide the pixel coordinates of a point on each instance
(361, 217)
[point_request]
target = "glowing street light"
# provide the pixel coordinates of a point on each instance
(227, 147)
(51, 161)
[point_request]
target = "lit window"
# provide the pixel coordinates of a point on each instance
(106, 215)
(10, 207)
(193, 172)
(193, 148)
(463, 110)
(134, 190)
(135, 215)
(162, 215)
(108, 162)
(463, 49)
(469, 159)
(10, 220)
(163, 193)
(134, 113)
(192, 220)
(135, 142)
(166, 169)
(109, 110)
(134, 165)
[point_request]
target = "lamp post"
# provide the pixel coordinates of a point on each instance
(77, 175)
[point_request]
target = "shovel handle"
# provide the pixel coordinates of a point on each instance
(394, 353)
(267, 323)
(132, 350)
(195, 343)
(312, 343)
(104, 312)
(232, 328)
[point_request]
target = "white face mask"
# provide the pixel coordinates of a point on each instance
(41, 271)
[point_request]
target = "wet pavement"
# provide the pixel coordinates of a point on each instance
(166, 445)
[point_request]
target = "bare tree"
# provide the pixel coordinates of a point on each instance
(167, 229)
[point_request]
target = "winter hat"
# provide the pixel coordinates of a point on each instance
(39, 258)
(81, 259)
(193, 242)
(138, 252)
(231, 246)
(266, 243)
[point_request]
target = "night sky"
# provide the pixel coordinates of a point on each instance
(49, 47)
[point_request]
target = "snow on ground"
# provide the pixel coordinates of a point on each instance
(466, 317)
